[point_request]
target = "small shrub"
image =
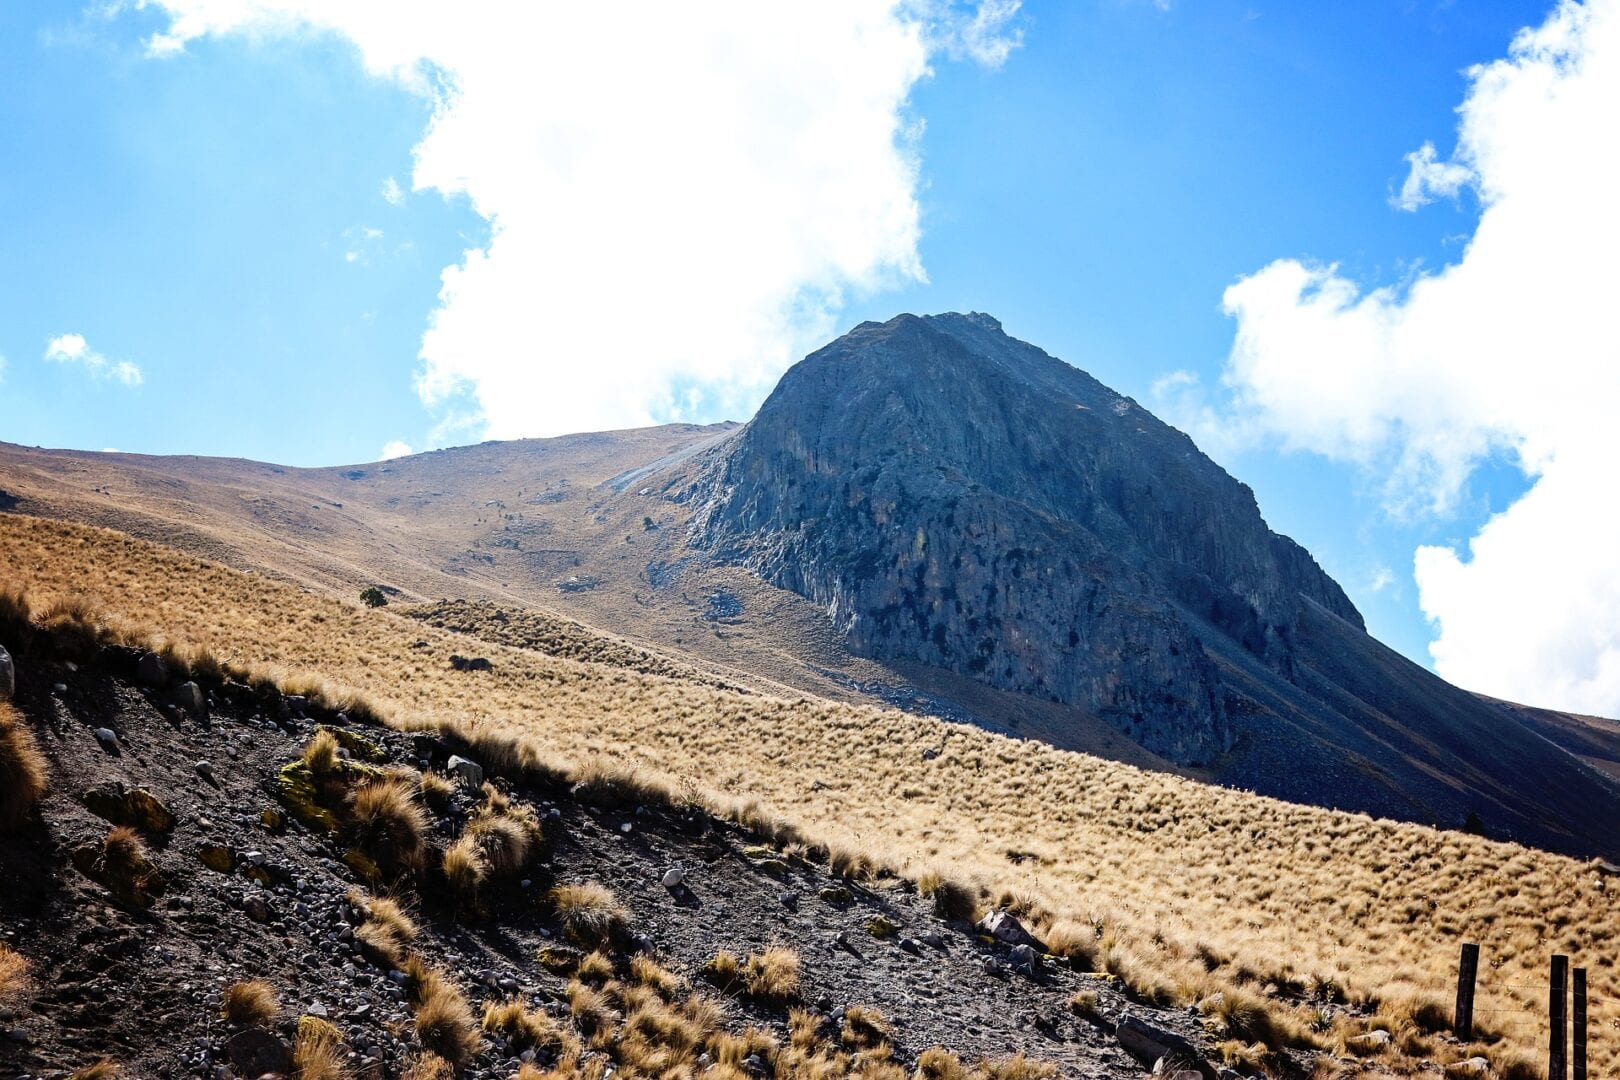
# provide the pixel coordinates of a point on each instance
(23, 779)
(937, 1063)
(444, 1021)
(437, 791)
(724, 970)
(373, 597)
(595, 968)
(390, 824)
(590, 1010)
(1083, 1003)
(428, 1066)
(772, 975)
(318, 1051)
(864, 1027)
(464, 868)
(523, 1028)
(321, 755)
(126, 866)
(1017, 1067)
(952, 899)
(15, 980)
(590, 914)
(250, 1003)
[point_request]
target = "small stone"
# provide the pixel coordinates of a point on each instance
(108, 739)
(467, 771)
(316, 1009)
(674, 877)
(257, 908)
(789, 900)
(910, 945)
(189, 696)
(204, 769)
(150, 670)
(625, 828)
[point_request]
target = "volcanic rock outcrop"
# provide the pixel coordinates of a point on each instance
(960, 498)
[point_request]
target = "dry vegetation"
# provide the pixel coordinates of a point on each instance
(22, 770)
(1183, 891)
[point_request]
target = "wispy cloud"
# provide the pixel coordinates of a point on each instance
(392, 193)
(72, 349)
(1511, 349)
(688, 205)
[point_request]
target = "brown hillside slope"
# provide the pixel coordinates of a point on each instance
(1181, 876)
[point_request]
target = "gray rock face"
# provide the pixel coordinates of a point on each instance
(957, 497)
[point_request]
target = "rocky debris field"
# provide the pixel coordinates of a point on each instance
(257, 856)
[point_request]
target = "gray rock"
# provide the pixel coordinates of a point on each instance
(108, 738)
(204, 770)
(150, 670)
(190, 697)
(1025, 959)
(255, 1052)
(467, 771)
(1005, 928)
(674, 878)
(8, 676)
(257, 907)
(1148, 1044)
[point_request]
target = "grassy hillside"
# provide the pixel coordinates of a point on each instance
(1190, 888)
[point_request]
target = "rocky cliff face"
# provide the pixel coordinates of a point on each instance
(958, 497)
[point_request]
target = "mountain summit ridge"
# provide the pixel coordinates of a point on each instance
(957, 497)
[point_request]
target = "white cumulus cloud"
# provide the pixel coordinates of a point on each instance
(1512, 349)
(73, 349)
(394, 448)
(679, 197)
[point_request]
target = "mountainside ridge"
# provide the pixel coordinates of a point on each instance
(912, 475)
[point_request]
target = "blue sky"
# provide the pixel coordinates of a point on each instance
(218, 217)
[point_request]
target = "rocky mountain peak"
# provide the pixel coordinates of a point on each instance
(961, 498)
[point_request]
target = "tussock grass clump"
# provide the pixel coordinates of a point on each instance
(385, 930)
(321, 755)
(15, 978)
(444, 1020)
(1246, 1016)
(105, 1069)
(865, 1028)
(390, 825)
(464, 868)
(937, 1063)
(1073, 942)
(437, 791)
(645, 971)
(851, 864)
(952, 899)
(521, 1027)
(1016, 1067)
(772, 975)
(590, 914)
(23, 776)
(250, 1003)
(602, 782)
(318, 1052)
(126, 866)
(428, 1066)
(589, 1007)
(595, 968)
(1083, 1003)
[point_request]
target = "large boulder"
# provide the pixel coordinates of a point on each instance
(256, 1052)
(1005, 928)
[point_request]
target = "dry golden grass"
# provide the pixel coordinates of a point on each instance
(105, 1069)
(23, 778)
(772, 975)
(390, 825)
(444, 1021)
(321, 753)
(318, 1052)
(1190, 888)
(952, 899)
(590, 914)
(15, 979)
(250, 1003)
(428, 1066)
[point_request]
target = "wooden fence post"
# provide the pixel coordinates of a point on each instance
(1467, 972)
(1557, 1018)
(1578, 1041)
